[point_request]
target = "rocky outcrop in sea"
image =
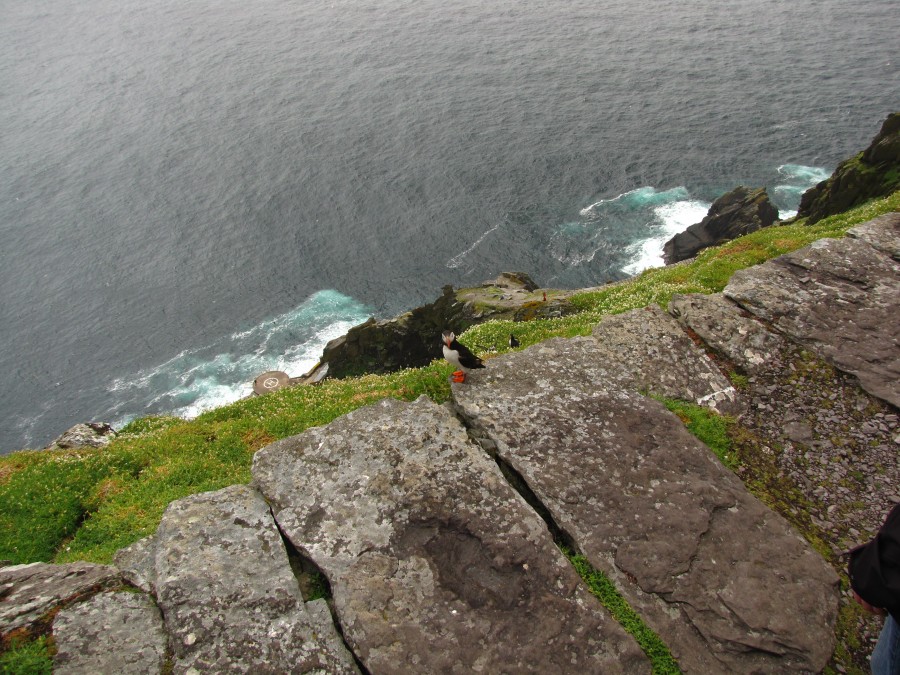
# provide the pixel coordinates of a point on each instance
(436, 530)
(732, 215)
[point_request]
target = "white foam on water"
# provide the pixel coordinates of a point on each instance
(457, 260)
(668, 220)
(200, 379)
(793, 181)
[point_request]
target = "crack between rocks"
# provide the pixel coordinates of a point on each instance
(623, 614)
(302, 565)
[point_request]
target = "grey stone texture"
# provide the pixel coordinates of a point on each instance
(91, 434)
(28, 592)
(725, 582)
(230, 600)
(881, 233)
(726, 328)
(113, 632)
(436, 564)
(646, 350)
(837, 297)
(138, 564)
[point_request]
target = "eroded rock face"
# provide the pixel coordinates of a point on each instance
(732, 332)
(838, 298)
(875, 172)
(734, 214)
(28, 592)
(725, 582)
(230, 601)
(114, 632)
(646, 350)
(435, 563)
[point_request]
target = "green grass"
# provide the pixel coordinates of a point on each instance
(27, 658)
(603, 589)
(87, 503)
(708, 426)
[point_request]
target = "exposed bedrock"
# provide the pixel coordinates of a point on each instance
(435, 563)
(229, 597)
(726, 582)
(837, 297)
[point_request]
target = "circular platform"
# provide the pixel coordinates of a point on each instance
(270, 381)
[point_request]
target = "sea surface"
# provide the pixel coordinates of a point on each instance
(192, 193)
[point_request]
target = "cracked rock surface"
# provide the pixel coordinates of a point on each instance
(726, 582)
(436, 564)
(28, 592)
(230, 601)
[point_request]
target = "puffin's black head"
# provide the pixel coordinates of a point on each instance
(448, 337)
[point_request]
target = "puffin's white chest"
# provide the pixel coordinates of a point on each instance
(452, 356)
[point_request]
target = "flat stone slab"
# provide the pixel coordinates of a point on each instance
(732, 332)
(230, 600)
(435, 563)
(646, 350)
(838, 297)
(113, 632)
(881, 233)
(725, 581)
(28, 592)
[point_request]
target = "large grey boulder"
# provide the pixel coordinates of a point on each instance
(726, 582)
(838, 298)
(113, 632)
(646, 350)
(435, 563)
(730, 331)
(230, 600)
(29, 592)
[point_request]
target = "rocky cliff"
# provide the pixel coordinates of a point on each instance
(408, 341)
(875, 172)
(437, 528)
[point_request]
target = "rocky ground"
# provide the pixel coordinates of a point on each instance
(831, 451)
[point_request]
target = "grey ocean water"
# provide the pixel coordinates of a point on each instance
(192, 192)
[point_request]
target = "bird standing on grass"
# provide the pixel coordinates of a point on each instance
(459, 356)
(513, 342)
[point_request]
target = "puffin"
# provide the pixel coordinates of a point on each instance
(459, 356)
(513, 342)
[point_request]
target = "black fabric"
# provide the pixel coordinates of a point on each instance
(875, 567)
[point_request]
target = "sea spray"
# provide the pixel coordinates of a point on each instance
(206, 377)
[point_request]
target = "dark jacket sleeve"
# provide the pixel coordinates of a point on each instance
(875, 567)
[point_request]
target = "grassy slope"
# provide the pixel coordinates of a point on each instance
(85, 504)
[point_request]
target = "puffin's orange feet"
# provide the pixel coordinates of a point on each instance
(458, 376)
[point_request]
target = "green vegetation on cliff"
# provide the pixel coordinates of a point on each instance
(85, 504)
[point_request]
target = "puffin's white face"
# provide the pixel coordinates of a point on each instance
(448, 337)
